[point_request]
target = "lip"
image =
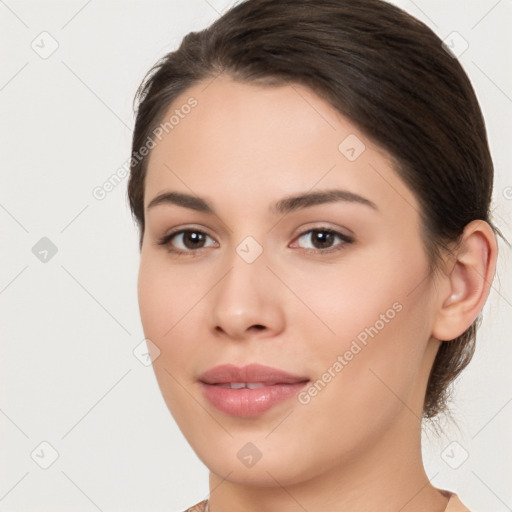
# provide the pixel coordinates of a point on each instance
(277, 386)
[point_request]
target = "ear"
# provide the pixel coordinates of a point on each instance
(467, 282)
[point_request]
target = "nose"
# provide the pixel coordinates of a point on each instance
(247, 302)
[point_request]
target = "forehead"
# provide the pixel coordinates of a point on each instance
(232, 138)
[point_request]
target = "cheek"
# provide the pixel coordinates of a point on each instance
(172, 303)
(165, 293)
(368, 370)
(365, 289)
(372, 320)
(166, 300)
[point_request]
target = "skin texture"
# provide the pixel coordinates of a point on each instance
(356, 444)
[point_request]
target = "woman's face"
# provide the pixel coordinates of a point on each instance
(332, 290)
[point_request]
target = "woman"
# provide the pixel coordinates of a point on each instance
(312, 184)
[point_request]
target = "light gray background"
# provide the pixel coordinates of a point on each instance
(69, 376)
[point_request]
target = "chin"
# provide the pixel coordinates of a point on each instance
(242, 462)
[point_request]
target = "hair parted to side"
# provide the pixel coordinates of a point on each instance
(386, 72)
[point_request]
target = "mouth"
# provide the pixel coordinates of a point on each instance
(242, 385)
(250, 390)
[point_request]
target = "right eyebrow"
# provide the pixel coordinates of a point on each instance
(180, 199)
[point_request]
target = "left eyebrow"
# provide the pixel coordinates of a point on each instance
(283, 206)
(297, 202)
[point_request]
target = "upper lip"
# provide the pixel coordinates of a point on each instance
(227, 373)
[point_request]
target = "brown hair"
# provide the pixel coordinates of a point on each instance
(386, 72)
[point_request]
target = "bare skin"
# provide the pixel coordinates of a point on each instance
(354, 445)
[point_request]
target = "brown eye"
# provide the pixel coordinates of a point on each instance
(193, 239)
(186, 240)
(322, 239)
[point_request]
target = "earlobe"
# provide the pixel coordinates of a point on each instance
(468, 282)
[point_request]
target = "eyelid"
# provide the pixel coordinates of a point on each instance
(325, 226)
(168, 236)
(346, 239)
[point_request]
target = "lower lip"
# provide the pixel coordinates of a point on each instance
(249, 402)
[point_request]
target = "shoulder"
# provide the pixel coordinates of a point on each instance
(455, 505)
(198, 507)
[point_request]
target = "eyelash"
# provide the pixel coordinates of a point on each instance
(166, 239)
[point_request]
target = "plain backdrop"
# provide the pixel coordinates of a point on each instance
(82, 421)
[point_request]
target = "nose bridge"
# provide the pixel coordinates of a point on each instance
(244, 297)
(243, 288)
(247, 260)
